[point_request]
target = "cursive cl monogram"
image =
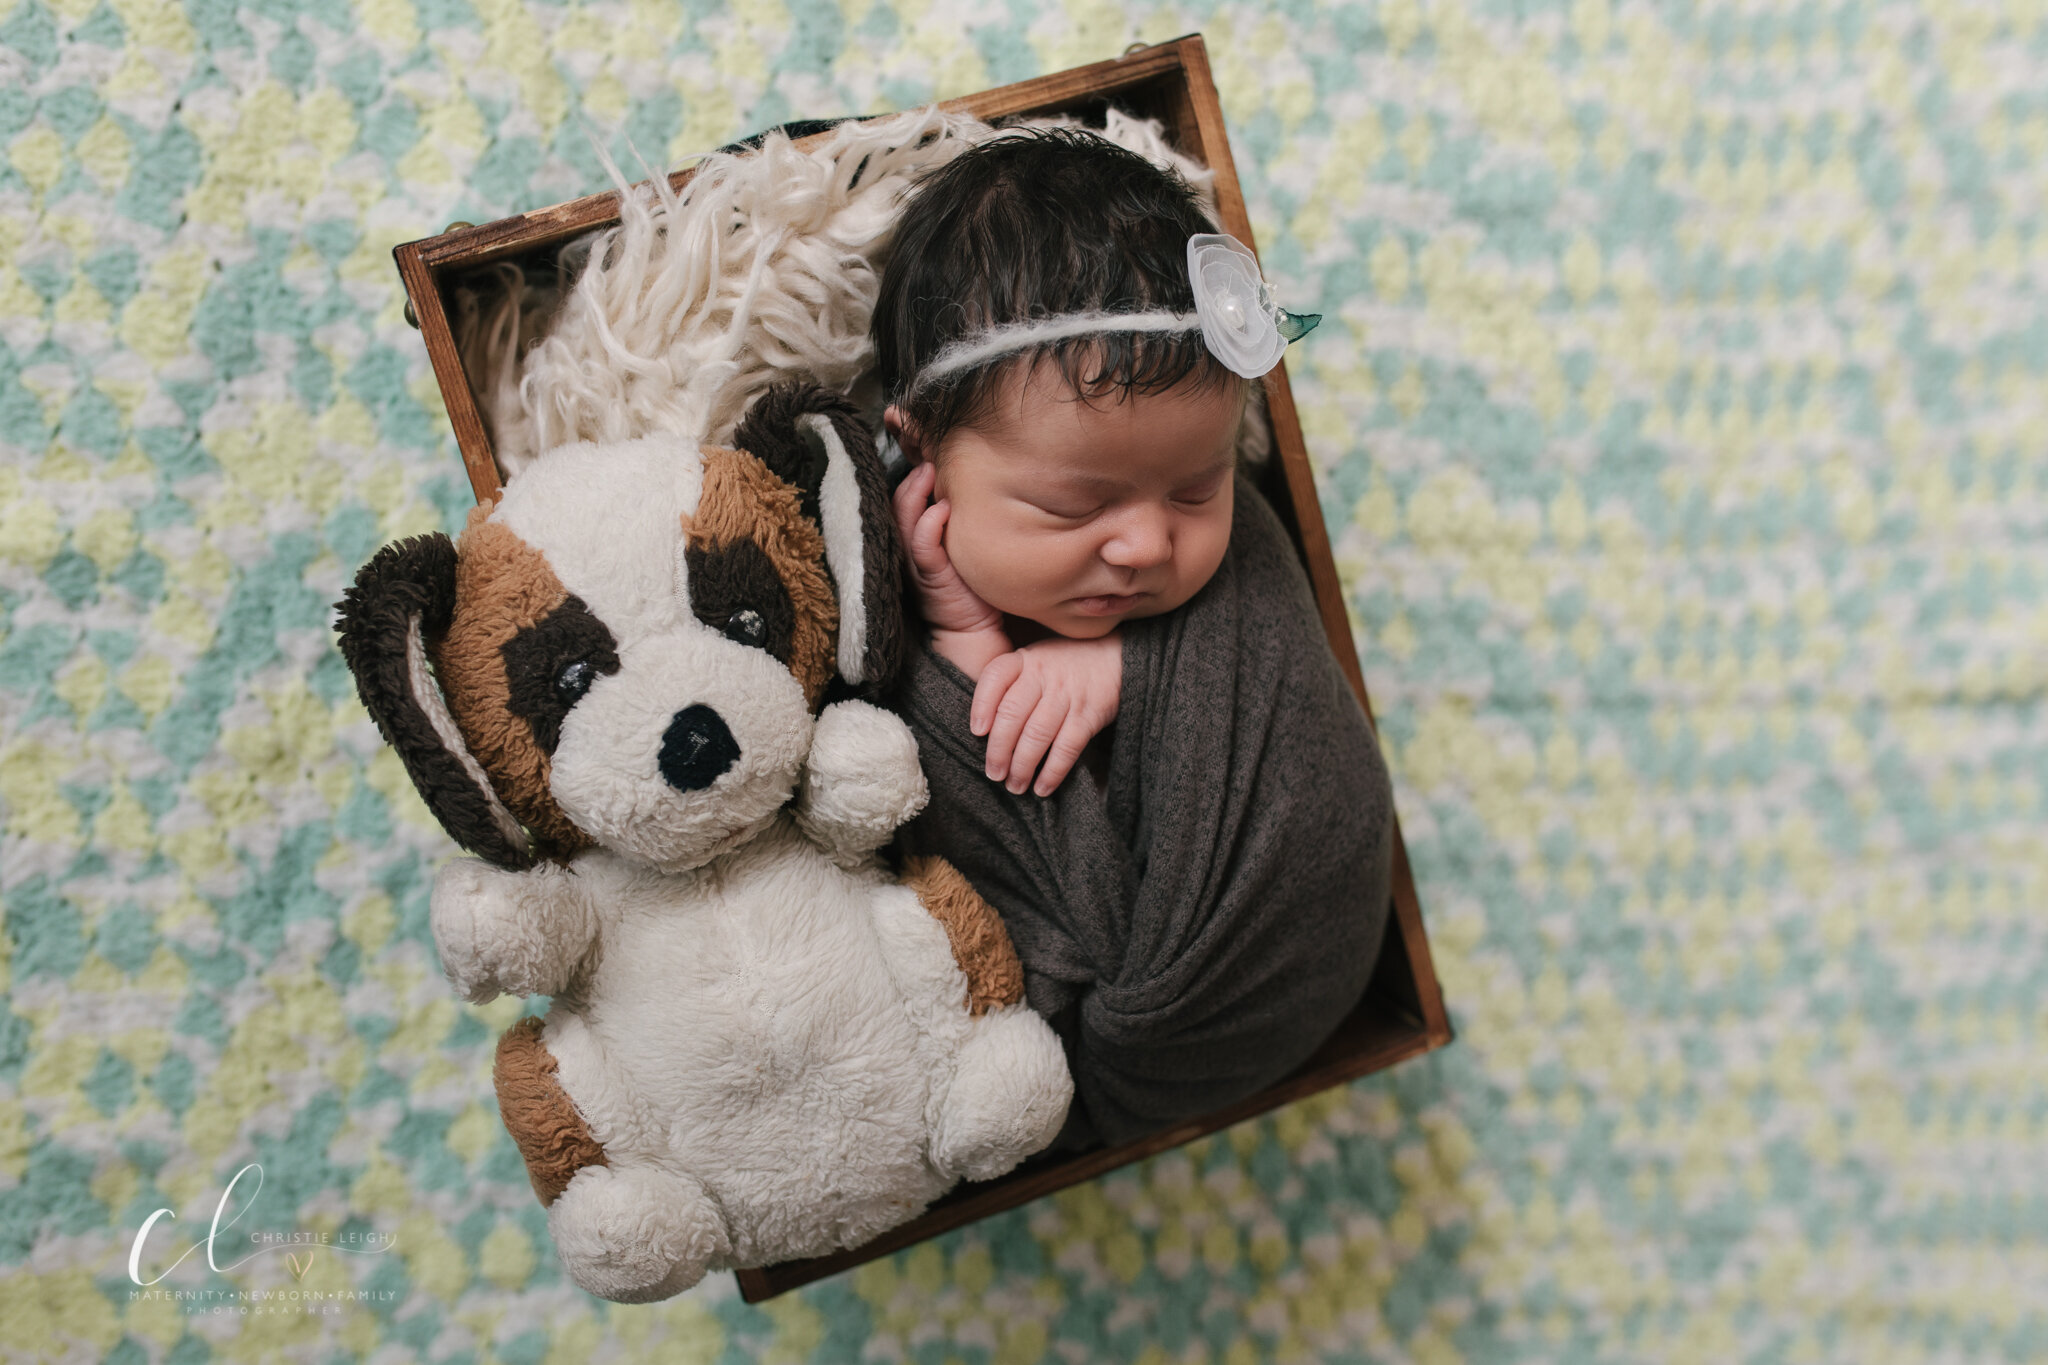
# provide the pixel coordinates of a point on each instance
(221, 1224)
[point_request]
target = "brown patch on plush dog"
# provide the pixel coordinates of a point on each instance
(981, 945)
(539, 1114)
(743, 501)
(503, 586)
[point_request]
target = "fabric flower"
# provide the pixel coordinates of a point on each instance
(1239, 325)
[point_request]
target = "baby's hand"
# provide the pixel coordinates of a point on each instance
(1046, 700)
(948, 603)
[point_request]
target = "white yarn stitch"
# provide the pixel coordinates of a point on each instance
(1233, 312)
(967, 352)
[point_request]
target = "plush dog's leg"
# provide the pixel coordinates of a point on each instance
(634, 1234)
(521, 933)
(626, 1229)
(551, 1132)
(861, 781)
(1010, 1088)
(1008, 1098)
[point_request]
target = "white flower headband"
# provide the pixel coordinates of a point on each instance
(1234, 311)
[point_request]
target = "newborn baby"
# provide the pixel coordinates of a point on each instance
(1063, 544)
(1203, 902)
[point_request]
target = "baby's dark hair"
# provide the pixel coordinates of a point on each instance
(1034, 224)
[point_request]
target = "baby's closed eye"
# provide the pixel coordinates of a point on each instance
(1065, 509)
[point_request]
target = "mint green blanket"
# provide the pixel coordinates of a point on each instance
(1681, 415)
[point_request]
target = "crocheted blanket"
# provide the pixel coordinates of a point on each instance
(1678, 414)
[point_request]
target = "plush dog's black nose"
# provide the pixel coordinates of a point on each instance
(696, 749)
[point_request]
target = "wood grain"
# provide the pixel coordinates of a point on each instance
(471, 437)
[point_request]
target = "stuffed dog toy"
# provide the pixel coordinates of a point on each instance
(632, 691)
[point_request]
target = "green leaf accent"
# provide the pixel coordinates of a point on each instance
(1295, 326)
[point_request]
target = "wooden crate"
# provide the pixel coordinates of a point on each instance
(1401, 1014)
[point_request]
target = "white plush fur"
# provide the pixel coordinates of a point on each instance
(610, 520)
(839, 509)
(767, 1034)
(510, 933)
(860, 782)
(773, 1033)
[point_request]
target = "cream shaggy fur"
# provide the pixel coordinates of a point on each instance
(765, 266)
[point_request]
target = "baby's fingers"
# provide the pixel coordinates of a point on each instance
(1065, 751)
(995, 681)
(1045, 724)
(911, 497)
(1008, 725)
(928, 540)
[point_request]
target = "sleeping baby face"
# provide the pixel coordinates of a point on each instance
(1081, 513)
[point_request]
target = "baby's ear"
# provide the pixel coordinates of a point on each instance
(814, 440)
(904, 433)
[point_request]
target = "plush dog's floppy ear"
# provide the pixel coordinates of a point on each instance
(814, 440)
(400, 606)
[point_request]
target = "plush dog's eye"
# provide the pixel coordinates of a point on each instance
(573, 681)
(746, 626)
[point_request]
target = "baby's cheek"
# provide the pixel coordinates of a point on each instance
(1013, 571)
(1217, 546)
(983, 558)
(1199, 556)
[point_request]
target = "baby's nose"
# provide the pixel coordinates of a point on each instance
(1140, 539)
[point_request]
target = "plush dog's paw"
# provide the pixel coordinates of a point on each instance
(635, 1235)
(470, 901)
(513, 933)
(861, 780)
(1008, 1098)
